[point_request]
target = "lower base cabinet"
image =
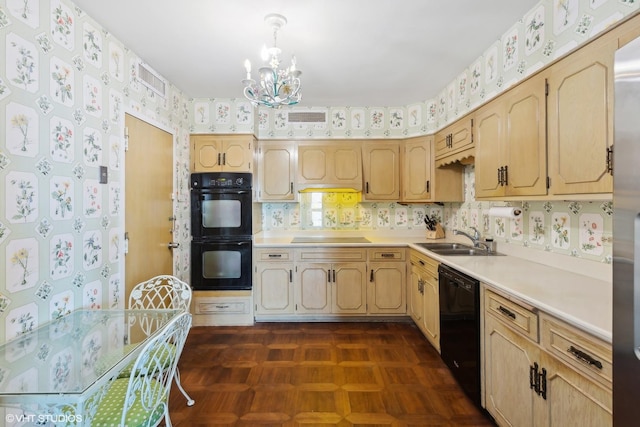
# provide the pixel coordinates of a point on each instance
(527, 384)
(424, 296)
(329, 282)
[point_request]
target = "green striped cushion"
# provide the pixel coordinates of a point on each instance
(109, 412)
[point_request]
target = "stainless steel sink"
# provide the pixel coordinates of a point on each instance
(459, 249)
(444, 246)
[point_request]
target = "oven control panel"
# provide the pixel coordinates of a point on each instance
(223, 180)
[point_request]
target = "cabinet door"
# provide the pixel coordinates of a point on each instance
(507, 358)
(387, 288)
(274, 288)
(314, 288)
(416, 305)
(347, 165)
(381, 166)
(206, 153)
(490, 149)
(277, 172)
(417, 170)
(349, 288)
(572, 399)
(526, 138)
(432, 311)
(237, 154)
(580, 120)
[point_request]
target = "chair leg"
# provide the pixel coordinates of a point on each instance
(176, 376)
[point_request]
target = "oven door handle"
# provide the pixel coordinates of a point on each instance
(205, 191)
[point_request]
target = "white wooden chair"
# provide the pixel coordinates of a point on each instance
(142, 399)
(163, 291)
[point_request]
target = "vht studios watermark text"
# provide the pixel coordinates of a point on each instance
(42, 418)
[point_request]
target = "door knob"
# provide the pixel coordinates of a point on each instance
(173, 245)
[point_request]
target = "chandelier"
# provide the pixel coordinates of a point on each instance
(276, 87)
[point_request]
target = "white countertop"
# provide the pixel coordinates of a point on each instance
(583, 301)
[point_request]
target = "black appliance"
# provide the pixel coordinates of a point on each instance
(460, 328)
(220, 205)
(221, 226)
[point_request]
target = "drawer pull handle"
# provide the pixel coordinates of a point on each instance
(421, 262)
(386, 255)
(275, 255)
(222, 307)
(507, 312)
(584, 357)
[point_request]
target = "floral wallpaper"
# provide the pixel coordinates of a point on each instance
(65, 86)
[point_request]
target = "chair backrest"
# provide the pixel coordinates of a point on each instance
(153, 370)
(161, 292)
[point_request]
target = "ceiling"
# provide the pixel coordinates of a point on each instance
(380, 53)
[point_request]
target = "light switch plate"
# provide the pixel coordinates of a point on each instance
(104, 175)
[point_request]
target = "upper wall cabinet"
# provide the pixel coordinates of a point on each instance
(277, 171)
(580, 107)
(381, 167)
(455, 142)
(421, 181)
(222, 153)
(510, 143)
(329, 164)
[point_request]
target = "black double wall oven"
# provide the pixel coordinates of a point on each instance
(221, 226)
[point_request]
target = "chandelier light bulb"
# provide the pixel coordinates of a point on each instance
(247, 66)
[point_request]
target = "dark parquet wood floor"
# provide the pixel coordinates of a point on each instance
(318, 374)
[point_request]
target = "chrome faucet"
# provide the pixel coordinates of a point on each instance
(475, 238)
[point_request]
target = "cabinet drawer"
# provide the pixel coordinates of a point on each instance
(332, 254)
(387, 254)
(576, 348)
(521, 319)
(222, 306)
(430, 265)
(274, 255)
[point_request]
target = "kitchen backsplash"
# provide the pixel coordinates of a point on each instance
(578, 229)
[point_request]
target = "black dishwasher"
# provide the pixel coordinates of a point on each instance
(460, 328)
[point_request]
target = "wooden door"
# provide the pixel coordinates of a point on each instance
(314, 294)
(381, 164)
(416, 169)
(526, 138)
(388, 288)
(206, 153)
(349, 288)
(277, 172)
(580, 120)
(572, 399)
(489, 149)
(416, 300)
(148, 204)
(237, 154)
(432, 310)
(508, 356)
(274, 291)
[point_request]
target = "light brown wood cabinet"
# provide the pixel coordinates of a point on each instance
(273, 281)
(386, 293)
(330, 164)
(552, 375)
(510, 143)
(277, 171)
(381, 168)
(222, 153)
(580, 120)
(424, 296)
(331, 281)
(421, 181)
(455, 142)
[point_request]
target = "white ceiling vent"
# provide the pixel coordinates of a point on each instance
(151, 79)
(300, 117)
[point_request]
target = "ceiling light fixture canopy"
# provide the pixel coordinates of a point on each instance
(276, 87)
